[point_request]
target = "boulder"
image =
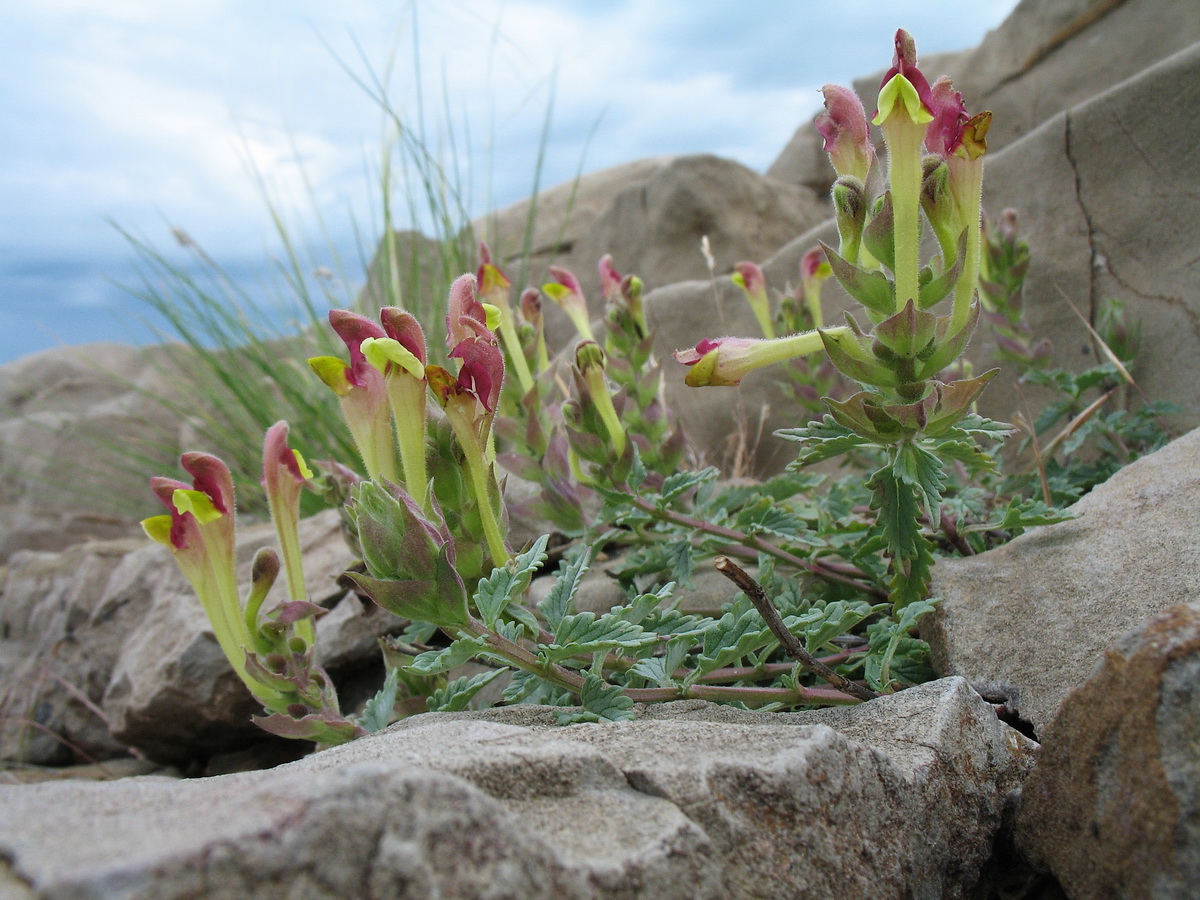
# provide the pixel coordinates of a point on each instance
(896, 798)
(1037, 613)
(63, 620)
(1112, 808)
(90, 409)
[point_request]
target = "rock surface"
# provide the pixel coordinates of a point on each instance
(896, 798)
(1113, 806)
(1038, 612)
(59, 410)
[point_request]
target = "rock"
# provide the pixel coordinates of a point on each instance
(63, 621)
(1036, 613)
(897, 798)
(563, 216)
(72, 410)
(1113, 806)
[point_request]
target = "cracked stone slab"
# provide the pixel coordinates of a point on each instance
(896, 798)
(1038, 612)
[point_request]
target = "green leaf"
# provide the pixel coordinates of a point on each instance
(970, 454)
(681, 482)
(377, 712)
(458, 694)
(898, 513)
(915, 466)
(767, 516)
(824, 440)
(1029, 513)
(912, 576)
(431, 662)
(837, 618)
(660, 670)
(679, 557)
(506, 582)
(601, 702)
(979, 426)
(641, 606)
(637, 469)
(733, 637)
(526, 687)
(584, 633)
(562, 594)
(885, 639)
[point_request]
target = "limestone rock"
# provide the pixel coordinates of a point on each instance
(896, 798)
(64, 618)
(75, 410)
(1113, 805)
(1039, 611)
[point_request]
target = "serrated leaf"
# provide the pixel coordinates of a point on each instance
(917, 467)
(506, 582)
(837, 618)
(661, 669)
(1029, 513)
(431, 662)
(733, 637)
(566, 584)
(458, 694)
(980, 426)
(679, 483)
(970, 454)
(673, 622)
(377, 712)
(601, 702)
(766, 516)
(638, 608)
(585, 632)
(823, 440)
(526, 687)
(637, 469)
(912, 576)
(886, 638)
(681, 561)
(898, 512)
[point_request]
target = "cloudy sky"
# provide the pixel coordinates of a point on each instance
(203, 114)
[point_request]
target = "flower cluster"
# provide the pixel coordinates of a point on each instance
(272, 651)
(934, 167)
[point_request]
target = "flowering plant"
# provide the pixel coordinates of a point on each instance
(829, 616)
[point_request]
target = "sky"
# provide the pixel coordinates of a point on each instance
(141, 119)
